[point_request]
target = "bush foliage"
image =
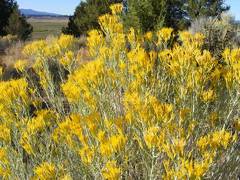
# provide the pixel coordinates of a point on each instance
(220, 33)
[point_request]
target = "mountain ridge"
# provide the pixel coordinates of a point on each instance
(32, 12)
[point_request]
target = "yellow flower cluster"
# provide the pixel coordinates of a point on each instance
(232, 74)
(67, 129)
(13, 99)
(82, 81)
(45, 171)
(215, 140)
(43, 119)
(5, 170)
(164, 35)
(116, 8)
(111, 23)
(168, 111)
(5, 134)
(34, 48)
(20, 65)
(111, 171)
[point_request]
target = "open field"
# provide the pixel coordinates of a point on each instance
(43, 27)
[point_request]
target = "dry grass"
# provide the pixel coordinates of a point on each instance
(43, 27)
(8, 59)
(12, 54)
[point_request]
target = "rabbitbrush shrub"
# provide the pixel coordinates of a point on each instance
(129, 113)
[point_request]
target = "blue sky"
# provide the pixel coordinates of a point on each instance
(67, 6)
(235, 7)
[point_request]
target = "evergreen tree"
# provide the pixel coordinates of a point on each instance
(17, 25)
(11, 20)
(145, 15)
(6, 8)
(150, 14)
(178, 14)
(86, 16)
(205, 8)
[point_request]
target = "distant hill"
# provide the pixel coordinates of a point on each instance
(31, 12)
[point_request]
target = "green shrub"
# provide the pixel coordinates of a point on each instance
(220, 33)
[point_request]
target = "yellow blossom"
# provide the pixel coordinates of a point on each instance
(20, 65)
(164, 35)
(202, 143)
(208, 96)
(151, 137)
(4, 156)
(117, 142)
(111, 171)
(69, 128)
(213, 118)
(5, 172)
(220, 139)
(45, 171)
(113, 144)
(110, 24)
(86, 154)
(149, 36)
(116, 8)
(65, 41)
(25, 143)
(34, 48)
(178, 145)
(5, 133)
(67, 59)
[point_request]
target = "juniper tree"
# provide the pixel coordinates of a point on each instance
(17, 25)
(151, 14)
(178, 14)
(204, 8)
(11, 20)
(6, 8)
